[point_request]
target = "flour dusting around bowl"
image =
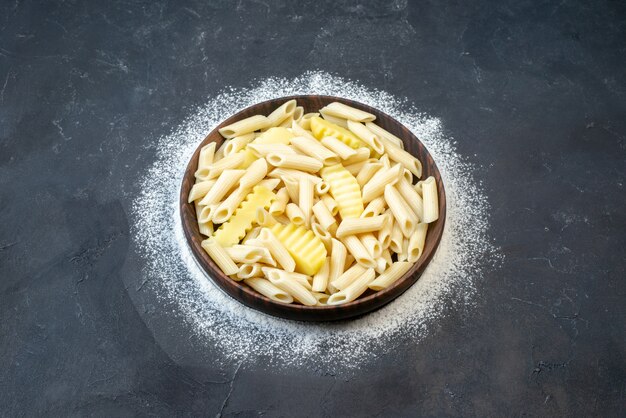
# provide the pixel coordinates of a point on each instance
(235, 332)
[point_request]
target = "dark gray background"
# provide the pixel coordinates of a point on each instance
(533, 91)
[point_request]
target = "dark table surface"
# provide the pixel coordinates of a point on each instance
(534, 92)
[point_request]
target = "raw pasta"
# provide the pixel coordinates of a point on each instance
(312, 210)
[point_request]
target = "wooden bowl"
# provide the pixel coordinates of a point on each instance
(370, 300)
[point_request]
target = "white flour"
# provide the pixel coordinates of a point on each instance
(236, 332)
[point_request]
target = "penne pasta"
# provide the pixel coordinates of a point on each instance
(384, 234)
(400, 156)
(418, 187)
(395, 241)
(401, 213)
(320, 280)
(362, 154)
(376, 185)
(305, 122)
(298, 113)
(277, 250)
(293, 188)
(323, 215)
(431, 200)
(237, 144)
(264, 218)
(207, 153)
(375, 207)
(207, 213)
(411, 197)
(305, 198)
(245, 253)
(343, 111)
(333, 119)
(322, 298)
(391, 275)
(199, 190)
(219, 256)
(383, 134)
(366, 136)
(295, 161)
(361, 255)
(231, 162)
(294, 213)
(254, 174)
(269, 184)
(331, 204)
(296, 174)
(262, 150)
(349, 276)
(367, 172)
(322, 234)
(338, 147)
(225, 210)
(294, 288)
(315, 149)
(338, 255)
(371, 244)
(244, 126)
(354, 226)
(267, 289)
(206, 228)
(225, 182)
(322, 188)
(353, 291)
(247, 271)
(278, 206)
(281, 113)
(251, 237)
(416, 242)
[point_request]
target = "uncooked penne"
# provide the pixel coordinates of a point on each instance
(305, 198)
(207, 213)
(384, 134)
(225, 182)
(320, 280)
(313, 148)
(294, 213)
(262, 150)
(237, 144)
(391, 275)
(431, 200)
(267, 289)
(219, 256)
(344, 111)
(403, 216)
(338, 147)
(331, 204)
(244, 126)
(233, 161)
(348, 276)
(295, 161)
(281, 113)
(416, 242)
(305, 122)
(384, 234)
(247, 271)
(333, 119)
(293, 188)
(407, 160)
(323, 215)
(371, 244)
(207, 153)
(254, 173)
(354, 226)
(411, 197)
(245, 253)
(361, 255)
(338, 255)
(277, 250)
(354, 290)
(199, 190)
(292, 287)
(366, 136)
(375, 207)
(367, 172)
(362, 154)
(376, 185)
(322, 234)
(227, 207)
(278, 206)
(395, 241)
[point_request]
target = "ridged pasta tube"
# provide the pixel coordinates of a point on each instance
(345, 190)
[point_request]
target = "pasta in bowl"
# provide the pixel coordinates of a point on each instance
(312, 208)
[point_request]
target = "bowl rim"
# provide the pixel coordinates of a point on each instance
(297, 311)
